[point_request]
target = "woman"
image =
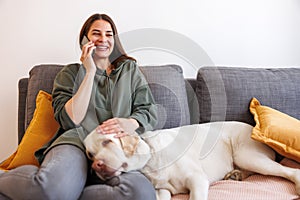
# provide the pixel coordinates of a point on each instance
(108, 92)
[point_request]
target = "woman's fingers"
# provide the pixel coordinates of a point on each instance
(87, 58)
(119, 126)
(110, 126)
(87, 50)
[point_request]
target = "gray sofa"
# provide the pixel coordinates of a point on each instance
(215, 94)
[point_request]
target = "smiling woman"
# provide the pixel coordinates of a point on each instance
(104, 36)
(106, 91)
(101, 41)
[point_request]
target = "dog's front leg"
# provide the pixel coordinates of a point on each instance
(198, 186)
(163, 194)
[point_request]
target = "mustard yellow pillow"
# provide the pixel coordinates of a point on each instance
(40, 130)
(276, 129)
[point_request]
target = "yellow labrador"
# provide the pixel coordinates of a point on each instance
(186, 159)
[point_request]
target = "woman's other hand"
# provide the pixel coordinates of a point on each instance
(119, 126)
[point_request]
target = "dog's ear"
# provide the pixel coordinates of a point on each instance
(129, 144)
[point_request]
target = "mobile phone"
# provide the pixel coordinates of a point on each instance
(84, 41)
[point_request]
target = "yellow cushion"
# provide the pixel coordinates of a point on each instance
(40, 130)
(276, 129)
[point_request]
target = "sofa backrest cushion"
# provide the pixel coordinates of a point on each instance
(169, 90)
(41, 77)
(166, 83)
(224, 93)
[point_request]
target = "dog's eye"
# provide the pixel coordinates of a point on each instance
(106, 142)
(90, 155)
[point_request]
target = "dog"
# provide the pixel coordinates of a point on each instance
(186, 159)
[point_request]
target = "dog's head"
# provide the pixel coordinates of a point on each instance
(111, 156)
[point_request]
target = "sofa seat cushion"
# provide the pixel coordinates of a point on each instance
(254, 187)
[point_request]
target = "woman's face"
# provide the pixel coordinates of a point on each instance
(101, 34)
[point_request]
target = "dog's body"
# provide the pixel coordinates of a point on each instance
(188, 159)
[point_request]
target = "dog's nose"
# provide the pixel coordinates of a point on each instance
(98, 164)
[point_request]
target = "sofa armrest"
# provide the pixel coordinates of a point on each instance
(23, 87)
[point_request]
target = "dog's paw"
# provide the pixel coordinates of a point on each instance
(235, 175)
(163, 194)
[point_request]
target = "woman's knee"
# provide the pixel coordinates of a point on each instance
(138, 185)
(20, 183)
(62, 175)
(129, 186)
(65, 170)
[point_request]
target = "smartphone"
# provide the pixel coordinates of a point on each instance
(84, 41)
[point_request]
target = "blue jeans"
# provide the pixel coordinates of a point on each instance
(63, 175)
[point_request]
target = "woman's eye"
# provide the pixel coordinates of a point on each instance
(106, 142)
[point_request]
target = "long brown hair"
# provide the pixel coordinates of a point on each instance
(118, 54)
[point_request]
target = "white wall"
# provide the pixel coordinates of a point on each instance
(233, 33)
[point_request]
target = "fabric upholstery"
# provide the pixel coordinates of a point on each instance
(224, 93)
(22, 84)
(40, 78)
(168, 88)
(252, 188)
(193, 104)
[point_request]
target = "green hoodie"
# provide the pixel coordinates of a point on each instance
(124, 93)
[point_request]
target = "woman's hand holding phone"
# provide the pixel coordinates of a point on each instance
(76, 107)
(86, 58)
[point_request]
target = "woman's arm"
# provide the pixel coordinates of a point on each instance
(77, 106)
